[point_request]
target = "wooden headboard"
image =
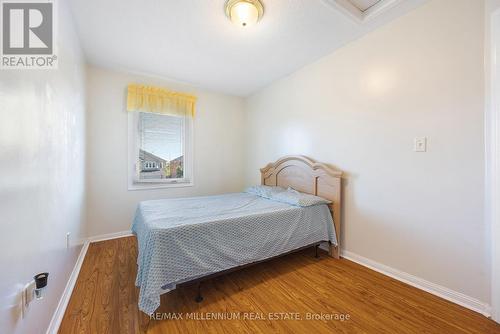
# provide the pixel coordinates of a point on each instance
(308, 176)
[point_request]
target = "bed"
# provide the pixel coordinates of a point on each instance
(189, 239)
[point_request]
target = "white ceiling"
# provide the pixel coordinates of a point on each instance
(363, 5)
(192, 41)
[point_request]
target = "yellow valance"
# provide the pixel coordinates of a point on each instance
(160, 101)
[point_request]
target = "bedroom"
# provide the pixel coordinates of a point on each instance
(385, 111)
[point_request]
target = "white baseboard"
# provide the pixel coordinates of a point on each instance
(110, 236)
(417, 282)
(58, 315)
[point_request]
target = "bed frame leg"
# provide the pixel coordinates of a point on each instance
(316, 255)
(199, 297)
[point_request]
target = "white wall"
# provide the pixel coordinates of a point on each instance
(218, 149)
(42, 145)
(360, 109)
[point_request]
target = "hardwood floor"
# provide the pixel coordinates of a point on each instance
(105, 300)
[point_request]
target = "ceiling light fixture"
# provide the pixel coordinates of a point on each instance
(244, 13)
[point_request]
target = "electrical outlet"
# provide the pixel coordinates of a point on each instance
(420, 144)
(27, 296)
(68, 235)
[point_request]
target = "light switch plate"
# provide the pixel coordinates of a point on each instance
(420, 144)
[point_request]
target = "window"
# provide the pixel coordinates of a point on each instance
(160, 150)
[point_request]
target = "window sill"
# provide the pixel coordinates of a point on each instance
(150, 186)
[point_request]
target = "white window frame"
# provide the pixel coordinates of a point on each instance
(134, 183)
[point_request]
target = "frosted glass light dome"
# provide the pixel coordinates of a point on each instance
(244, 13)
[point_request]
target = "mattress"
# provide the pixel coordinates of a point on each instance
(183, 239)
